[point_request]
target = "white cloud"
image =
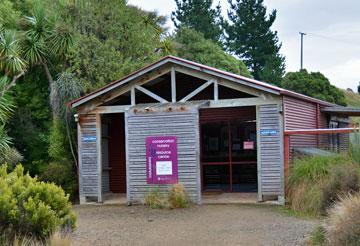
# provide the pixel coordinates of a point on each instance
(345, 75)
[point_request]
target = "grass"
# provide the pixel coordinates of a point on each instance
(56, 239)
(315, 183)
(318, 236)
(174, 198)
(288, 211)
(352, 98)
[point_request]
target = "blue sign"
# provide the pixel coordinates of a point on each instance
(269, 132)
(89, 139)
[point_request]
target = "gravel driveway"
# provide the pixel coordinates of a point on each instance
(197, 225)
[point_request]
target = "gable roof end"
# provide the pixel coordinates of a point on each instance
(199, 67)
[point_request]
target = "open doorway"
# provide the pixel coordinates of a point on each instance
(113, 155)
(228, 149)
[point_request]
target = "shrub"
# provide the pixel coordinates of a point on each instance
(177, 197)
(63, 174)
(11, 156)
(343, 224)
(155, 199)
(31, 207)
(316, 182)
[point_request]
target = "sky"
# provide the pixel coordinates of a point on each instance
(332, 27)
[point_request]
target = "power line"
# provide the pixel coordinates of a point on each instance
(334, 39)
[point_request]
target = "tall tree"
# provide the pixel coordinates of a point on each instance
(313, 84)
(199, 15)
(192, 45)
(250, 37)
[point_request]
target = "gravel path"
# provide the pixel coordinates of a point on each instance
(197, 225)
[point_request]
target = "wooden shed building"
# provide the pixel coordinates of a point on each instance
(180, 121)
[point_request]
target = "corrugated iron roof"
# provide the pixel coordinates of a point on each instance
(349, 111)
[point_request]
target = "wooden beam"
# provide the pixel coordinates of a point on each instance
(110, 109)
(194, 73)
(173, 85)
(216, 90)
(241, 102)
(133, 100)
(150, 94)
(239, 87)
(197, 90)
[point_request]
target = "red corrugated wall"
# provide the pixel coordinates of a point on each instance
(117, 158)
(299, 114)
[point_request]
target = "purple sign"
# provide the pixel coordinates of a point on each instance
(161, 160)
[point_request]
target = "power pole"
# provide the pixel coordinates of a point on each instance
(301, 49)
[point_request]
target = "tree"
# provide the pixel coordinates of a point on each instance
(113, 39)
(193, 46)
(249, 37)
(200, 16)
(313, 84)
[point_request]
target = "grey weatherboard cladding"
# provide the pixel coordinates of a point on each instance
(271, 151)
(88, 156)
(185, 126)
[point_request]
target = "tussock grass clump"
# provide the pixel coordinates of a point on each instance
(315, 183)
(155, 199)
(177, 197)
(318, 236)
(343, 224)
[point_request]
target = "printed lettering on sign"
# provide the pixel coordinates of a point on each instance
(161, 160)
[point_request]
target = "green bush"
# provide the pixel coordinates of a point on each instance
(31, 207)
(316, 182)
(343, 224)
(155, 199)
(177, 197)
(63, 174)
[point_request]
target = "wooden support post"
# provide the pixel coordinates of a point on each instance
(286, 161)
(132, 92)
(216, 91)
(99, 156)
(173, 85)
